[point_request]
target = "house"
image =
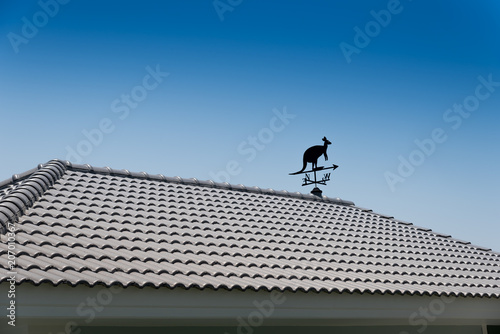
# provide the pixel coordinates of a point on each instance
(99, 250)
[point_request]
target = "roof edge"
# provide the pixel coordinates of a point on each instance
(237, 287)
(36, 182)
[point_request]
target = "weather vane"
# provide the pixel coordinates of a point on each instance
(311, 155)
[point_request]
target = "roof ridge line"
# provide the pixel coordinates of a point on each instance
(208, 183)
(36, 182)
(19, 177)
(448, 237)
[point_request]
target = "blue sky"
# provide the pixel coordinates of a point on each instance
(408, 93)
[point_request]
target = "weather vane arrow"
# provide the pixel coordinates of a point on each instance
(311, 155)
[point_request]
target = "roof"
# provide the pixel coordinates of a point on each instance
(78, 224)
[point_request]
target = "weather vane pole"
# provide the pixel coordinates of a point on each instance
(311, 155)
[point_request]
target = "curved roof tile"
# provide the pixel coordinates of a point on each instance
(79, 224)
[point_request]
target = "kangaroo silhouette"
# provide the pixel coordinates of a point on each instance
(312, 154)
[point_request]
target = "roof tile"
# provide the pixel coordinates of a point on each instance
(79, 224)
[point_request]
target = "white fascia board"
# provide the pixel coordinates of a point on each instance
(99, 305)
